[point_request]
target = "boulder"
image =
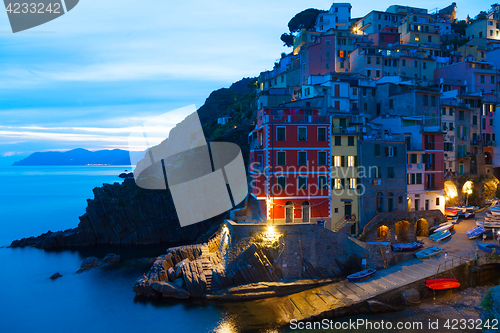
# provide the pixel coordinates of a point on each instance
(111, 258)
(171, 274)
(168, 289)
(179, 283)
(88, 263)
(178, 268)
(55, 276)
(143, 288)
(158, 271)
(196, 282)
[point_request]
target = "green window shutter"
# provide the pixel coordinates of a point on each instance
(342, 183)
(395, 151)
(342, 161)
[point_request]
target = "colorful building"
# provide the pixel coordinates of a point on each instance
(290, 165)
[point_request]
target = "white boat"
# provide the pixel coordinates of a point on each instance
(488, 224)
(493, 217)
(496, 213)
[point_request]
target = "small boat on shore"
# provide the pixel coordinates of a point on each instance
(445, 226)
(440, 236)
(444, 285)
(488, 224)
(406, 247)
(451, 212)
(488, 247)
(467, 216)
(453, 219)
(427, 253)
(475, 232)
(361, 275)
(431, 281)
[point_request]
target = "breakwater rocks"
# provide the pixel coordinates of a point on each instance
(181, 273)
(123, 214)
(109, 259)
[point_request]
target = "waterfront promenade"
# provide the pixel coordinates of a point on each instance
(340, 298)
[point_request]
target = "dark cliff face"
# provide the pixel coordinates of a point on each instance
(124, 214)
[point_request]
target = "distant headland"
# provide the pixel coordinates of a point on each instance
(77, 156)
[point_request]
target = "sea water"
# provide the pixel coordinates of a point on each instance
(34, 200)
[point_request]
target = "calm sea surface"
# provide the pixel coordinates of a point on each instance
(36, 199)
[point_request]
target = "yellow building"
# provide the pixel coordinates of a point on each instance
(344, 175)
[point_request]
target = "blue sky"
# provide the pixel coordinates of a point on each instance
(88, 78)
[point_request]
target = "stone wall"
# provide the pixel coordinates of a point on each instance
(301, 251)
(432, 217)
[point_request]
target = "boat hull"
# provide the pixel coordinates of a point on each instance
(444, 285)
(361, 275)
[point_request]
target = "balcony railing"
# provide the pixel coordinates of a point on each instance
(462, 154)
(345, 130)
(414, 147)
(255, 144)
(475, 142)
(296, 119)
(433, 187)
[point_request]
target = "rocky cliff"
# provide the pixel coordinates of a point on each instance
(124, 214)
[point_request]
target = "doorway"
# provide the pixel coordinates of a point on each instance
(289, 212)
(306, 212)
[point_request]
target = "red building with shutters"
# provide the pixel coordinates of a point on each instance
(290, 165)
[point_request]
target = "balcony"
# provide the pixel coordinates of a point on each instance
(296, 119)
(414, 147)
(475, 142)
(433, 187)
(345, 130)
(462, 154)
(256, 144)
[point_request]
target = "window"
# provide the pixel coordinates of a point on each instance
(351, 161)
(417, 37)
(350, 141)
(426, 100)
(391, 103)
(327, 66)
(429, 38)
(352, 183)
(280, 133)
(404, 62)
(337, 184)
(377, 60)
(424, 65)
(433, 100)
(302, 158)
(338, 140)
(419, 178)
(411, 179)
(390, 172)
(461, 115)
(281, 158)
(474, 120)
(337, 161)
(302, 182)
(302, 133)
(368, 72)
(377, 73)
(327, 54)
(413, 158)
(390, 151)
(281, 183)
(354, 91)
(377, 149)
(437, 201)
(368, 60)
(482, 78)
(443, 111)
(416, 64)
(373, 92)
(328, 42)
(378, 173)
(321, 158)
(365, 106)
(492, 79)
(321, 133)
(322, 183)
(483, 123)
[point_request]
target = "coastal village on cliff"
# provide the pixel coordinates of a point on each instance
(372, 166)
(372, 133)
